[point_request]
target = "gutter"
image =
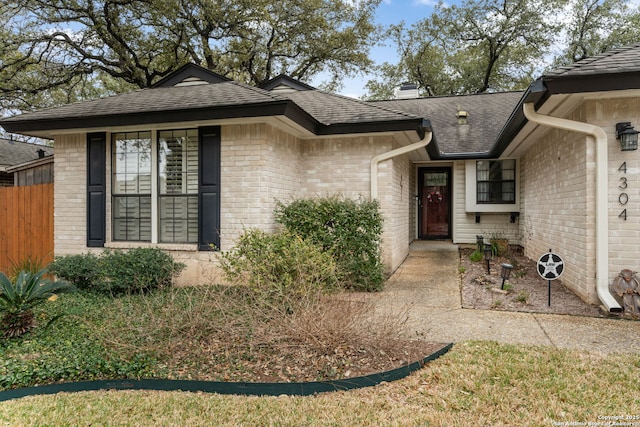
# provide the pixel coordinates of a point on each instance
(397, 152)
(602, 225)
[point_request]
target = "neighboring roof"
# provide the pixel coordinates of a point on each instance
(487, 113)
(14, 152)
(319, 112)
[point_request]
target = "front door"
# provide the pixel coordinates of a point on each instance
(434, 203)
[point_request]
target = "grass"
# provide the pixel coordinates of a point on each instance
(476, 383)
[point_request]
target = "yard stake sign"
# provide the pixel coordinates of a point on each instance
(550, 267)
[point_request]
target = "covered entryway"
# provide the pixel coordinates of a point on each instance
(434, 203)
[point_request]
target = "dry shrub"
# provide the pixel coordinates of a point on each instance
(231, 333)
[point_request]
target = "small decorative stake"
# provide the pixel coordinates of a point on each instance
(550, 267)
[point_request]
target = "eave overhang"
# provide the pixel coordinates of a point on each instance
(542, 89)
(47, 128)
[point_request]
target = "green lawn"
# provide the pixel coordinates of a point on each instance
(475, 384)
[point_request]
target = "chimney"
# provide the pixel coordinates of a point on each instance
(407, 91)
(41, 153)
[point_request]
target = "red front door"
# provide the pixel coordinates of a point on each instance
(434, 203)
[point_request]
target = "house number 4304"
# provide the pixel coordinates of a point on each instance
(623, 197)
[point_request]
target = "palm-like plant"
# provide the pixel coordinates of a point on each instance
(18, 299)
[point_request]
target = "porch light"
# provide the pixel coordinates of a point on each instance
(505, 273)
(627, 135)
(487, 256)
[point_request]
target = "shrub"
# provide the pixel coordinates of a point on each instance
(349, 230)
(137, 270)
(81, 270)
(19, 297)
(280, 264)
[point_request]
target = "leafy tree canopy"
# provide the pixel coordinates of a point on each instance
(497, 45)
(53, 52)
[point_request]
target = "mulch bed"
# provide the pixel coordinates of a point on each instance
(527, 291)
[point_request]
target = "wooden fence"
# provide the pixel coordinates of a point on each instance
(26, 224)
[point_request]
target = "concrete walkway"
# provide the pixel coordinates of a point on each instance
(427, 288)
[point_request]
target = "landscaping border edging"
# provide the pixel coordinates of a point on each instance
(240, 388)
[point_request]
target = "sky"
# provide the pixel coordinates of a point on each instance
(389, 12)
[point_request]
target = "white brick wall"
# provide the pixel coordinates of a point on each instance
(70, 194)
(259, 165)
(624, 250)
(561, 215)
(557, 212)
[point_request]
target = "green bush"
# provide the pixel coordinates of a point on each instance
(81, 270)
(281, 265)
(349, 230)
(140, 269)
(116, 272)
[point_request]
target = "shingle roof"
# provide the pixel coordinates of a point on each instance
(622, 60)
(332, 109)
(315, 110)
(14, 153)
(227, 94)
(487, 113)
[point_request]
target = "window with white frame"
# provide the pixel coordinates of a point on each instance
(496, 181)
(166, 210)
(131, 186)
(178, 186)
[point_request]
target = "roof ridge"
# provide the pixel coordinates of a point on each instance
(454, 95)
(270, 94)
(368, 103)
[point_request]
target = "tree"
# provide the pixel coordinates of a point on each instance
(596, 26)
(479, 46)
(83, 47)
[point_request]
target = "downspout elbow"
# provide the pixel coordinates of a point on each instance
(391, 154)
(602, 225)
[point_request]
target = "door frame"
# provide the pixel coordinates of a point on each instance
(421, 171)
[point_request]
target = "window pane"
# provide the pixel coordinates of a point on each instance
(132, 163)
(496, 181)
(483, 192)
(179, 219)
(131, 186)
(178, 162)
(178, 177)
(482, 168)
(132, 218)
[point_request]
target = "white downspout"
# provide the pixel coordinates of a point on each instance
(602, 224)
(390, 154)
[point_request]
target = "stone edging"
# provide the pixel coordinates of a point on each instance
(240, 388)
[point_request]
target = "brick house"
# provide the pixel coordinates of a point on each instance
(192, 161)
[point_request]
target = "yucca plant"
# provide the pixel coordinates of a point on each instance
(18, 299)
